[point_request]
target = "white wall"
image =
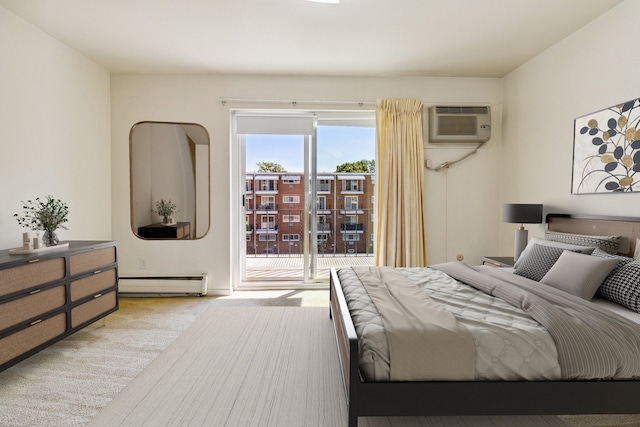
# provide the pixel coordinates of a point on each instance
(54, 132)
(462, 203)
(592, 69)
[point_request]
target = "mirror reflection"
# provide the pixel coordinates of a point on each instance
(169, 180)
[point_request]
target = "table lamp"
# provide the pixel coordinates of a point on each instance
(521, 214)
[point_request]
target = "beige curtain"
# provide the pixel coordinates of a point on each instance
(400, 214)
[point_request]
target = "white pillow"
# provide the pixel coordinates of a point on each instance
(579, 274)
(534, 240)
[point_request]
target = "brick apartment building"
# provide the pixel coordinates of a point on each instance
(274, 213)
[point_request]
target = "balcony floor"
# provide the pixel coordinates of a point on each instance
(285, 268)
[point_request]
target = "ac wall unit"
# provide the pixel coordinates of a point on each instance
(459, 124)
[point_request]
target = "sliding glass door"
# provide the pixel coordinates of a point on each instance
(308, 199)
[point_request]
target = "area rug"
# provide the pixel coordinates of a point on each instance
(256, 366)
(66, 384)
(69, 383)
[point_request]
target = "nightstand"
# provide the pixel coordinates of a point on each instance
(498, 261)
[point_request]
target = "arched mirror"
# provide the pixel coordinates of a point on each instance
(169, 170)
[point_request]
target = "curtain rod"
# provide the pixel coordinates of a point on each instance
(295, 102)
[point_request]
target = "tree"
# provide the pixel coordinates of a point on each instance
(362, 166)
(269, 167)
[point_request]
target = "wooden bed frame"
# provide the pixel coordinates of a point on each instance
(441, 398)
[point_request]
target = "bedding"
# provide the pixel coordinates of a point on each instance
(509, 343)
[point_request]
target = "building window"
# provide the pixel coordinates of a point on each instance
(290, 199)
(267, 202)
(350, 219)
(268, 185)
(351, 237)
(248, 237)
(290, 218)
(323, 185)
(267, 237)
(290, 237)
(351, 202)
(350, 185)
(321, 203)
(268, 222)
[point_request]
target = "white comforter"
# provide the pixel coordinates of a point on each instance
(509, 344)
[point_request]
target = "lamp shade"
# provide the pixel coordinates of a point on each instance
(522, 213)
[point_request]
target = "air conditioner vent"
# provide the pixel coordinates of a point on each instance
(462, 110)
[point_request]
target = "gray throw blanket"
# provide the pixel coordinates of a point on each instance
(592, 342)
(426, 341)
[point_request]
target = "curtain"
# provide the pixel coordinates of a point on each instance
(400, 213)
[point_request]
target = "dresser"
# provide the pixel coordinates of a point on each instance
(179, 230)
(46, 297)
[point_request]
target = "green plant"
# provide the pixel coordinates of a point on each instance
(43, 215)
(165, 207)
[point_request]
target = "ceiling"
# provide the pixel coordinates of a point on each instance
(454, 38)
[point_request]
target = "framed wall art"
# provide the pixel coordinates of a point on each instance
(606, 150)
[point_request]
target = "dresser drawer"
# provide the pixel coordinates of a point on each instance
(93, 284)
(28, 307)
(89, 310)
(92, 260)
(29, 338)
(29, 275)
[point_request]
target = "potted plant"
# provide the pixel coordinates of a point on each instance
(165, 208)
(44, 215)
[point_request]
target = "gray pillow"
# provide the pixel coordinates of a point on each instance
(608, 244)
(537, 261)
(536, 241)
(579, 274)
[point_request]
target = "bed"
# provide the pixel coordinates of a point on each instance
(367, 396)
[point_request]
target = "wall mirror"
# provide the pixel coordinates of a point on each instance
(169, 172)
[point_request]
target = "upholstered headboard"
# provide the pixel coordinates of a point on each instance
(627, 227)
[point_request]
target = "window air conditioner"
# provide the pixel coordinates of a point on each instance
(459, 124)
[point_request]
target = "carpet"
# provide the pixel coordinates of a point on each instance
(256, 366)
(69, 383)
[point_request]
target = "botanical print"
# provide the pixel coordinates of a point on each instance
(606, 150)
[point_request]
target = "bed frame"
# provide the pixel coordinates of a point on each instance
(441, 398)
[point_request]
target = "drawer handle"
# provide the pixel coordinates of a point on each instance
(35, 322)
(35, 291)
(31, 261)
(97, 272)
(97, 296)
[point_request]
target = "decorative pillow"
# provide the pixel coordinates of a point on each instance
(579, 274)
(538, 261)
(636, 253)
(622, 286)
(537, 241)
(606, 243)
(622, 260)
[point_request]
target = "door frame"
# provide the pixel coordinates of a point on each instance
(237, 180)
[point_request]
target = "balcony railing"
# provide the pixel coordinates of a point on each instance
(352, 227)
(336, 234)
(267, 207)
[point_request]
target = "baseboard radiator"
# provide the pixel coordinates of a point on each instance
(180, 284)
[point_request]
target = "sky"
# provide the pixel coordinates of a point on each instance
(336, 145)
